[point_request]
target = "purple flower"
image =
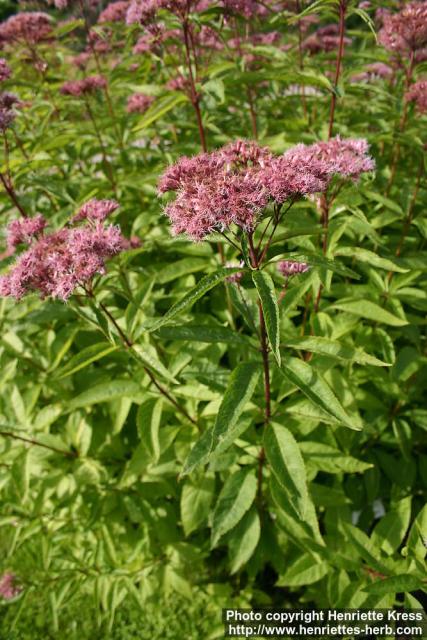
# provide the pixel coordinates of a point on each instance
(347, 158)
(406, 30)
(56, 264)
(5, 70)
(290, 268)
(139, 103)
(324, 39)
(215, 190)
(114, 12)
(418, 93)
(374, 71)
(27, 28)
(24, 230)
(77, 88)
(96, 210)
(8, 586)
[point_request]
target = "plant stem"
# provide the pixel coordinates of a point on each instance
(402, 125)
(12, 195)
(14, 436)
(340, 53)
(194, 97)
(109, 168)
(266, 365)
(129, 345)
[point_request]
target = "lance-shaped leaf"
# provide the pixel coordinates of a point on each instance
(370, 311)
(267, 294)
(243, 540)
(206, 284)
(104, 392)
(240, 389)
(371, 258)
(287, 464)
(235, 499)
(85, 357)
(333, 348)
(312, 384)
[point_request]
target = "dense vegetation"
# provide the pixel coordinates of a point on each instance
(213, 297)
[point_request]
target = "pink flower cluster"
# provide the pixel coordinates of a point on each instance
(56, 264)
(96, 210)
(246, 8)
(27, 28)
(418, 93)
(234, 184)
(114, 12)
(139, 103)
(143, 11)
(9, 588)
(86, 85)
(373, 72)
(5, 70)
(290, 268)
(324, 39)
(406, 30)
(7, 114)
(24, 230)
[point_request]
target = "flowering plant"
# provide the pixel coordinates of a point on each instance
(212, 296)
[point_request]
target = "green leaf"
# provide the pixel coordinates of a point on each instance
(160, 108)
(391, 529)
(395, 584)
(364, 255)
(85, 357)
(235, 499)
(202, 333)
(180, 268)
(365, 547)
(267, 294)
(287, 464)
(370, 311)
(196, 500)
(243, 540)
(333, 348)
(147, 354)
(416, 544)
(303, 571)
(310, 382)
(148, 420)
(105, 392)
(241, 387)
(206, 284)
(315, 260)
(331, 460)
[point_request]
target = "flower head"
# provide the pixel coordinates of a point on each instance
(326, 39)
(139, 103)
(96, 210)
(56, 264)
(114, 12)
(5, 70)
(373, 72)
(215, 190)
(406, 30)
(347, 158)
(418, 94)
(9, 588)
(24, 230)
(87, 85)
(289, 268)
(26, 28)
(233, 185)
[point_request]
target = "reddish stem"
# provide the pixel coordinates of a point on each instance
(338, 66)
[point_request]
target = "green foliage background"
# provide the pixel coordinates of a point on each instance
(98, 518)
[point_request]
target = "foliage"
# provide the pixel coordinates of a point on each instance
(196, 420)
